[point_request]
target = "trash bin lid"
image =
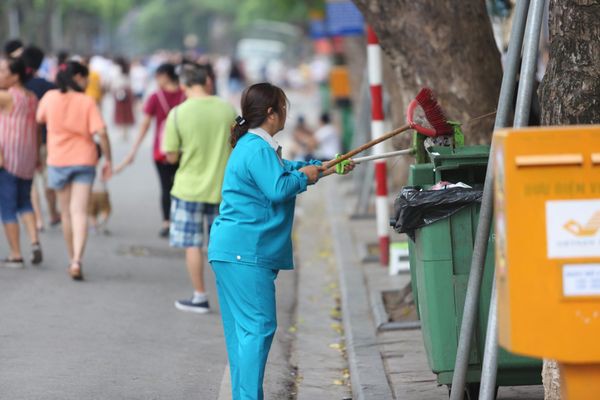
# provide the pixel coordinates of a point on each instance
(448, 158)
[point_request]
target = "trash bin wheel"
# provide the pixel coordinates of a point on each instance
(471, 391)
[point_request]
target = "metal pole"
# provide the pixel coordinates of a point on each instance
(486, 212)
(489, 367)
(382, 210)
(529, 66)
(527, 76)
(405, 152)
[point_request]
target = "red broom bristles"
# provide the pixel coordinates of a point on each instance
(433, 112)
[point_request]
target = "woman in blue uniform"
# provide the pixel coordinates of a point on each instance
(251, 239)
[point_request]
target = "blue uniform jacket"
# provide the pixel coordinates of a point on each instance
(255, 219)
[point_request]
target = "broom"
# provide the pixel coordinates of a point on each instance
(433, 113)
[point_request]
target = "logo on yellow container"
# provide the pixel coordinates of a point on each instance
(589, 229)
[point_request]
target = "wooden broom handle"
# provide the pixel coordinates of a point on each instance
(365, 146)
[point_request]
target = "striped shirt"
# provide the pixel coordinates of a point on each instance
(18, 134)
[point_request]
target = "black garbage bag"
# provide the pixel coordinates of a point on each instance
(414, 208)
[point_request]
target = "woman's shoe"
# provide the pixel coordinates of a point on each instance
(76, 273)
(164, 232)
(12, 263)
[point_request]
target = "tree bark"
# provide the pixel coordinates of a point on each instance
(446, 45)
(570, 90)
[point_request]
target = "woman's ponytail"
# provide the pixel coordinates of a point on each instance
(66, 72)
(256, 102)
(238, 129)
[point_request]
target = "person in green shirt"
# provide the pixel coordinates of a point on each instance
(196, 136)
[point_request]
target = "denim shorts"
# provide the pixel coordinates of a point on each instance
(15, 196)
(187, 222)
(59, 177)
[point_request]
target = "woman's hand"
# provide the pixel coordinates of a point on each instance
(311, 172)
(107, 171)
(127, 161)
(349, 167)
(330, 171)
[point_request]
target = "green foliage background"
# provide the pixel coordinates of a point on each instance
(144, 24)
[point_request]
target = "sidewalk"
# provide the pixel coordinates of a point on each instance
(404, 372)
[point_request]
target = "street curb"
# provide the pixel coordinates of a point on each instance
(225, 388)
(367, 372)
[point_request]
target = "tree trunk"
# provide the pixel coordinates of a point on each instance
(570, 90)
(446, 45)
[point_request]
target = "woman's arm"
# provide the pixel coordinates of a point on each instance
(106, 153)
(138, 142)
(295, 165)
(273, 180)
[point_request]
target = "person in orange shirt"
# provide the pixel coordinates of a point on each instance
(94, 88)
(72, 119)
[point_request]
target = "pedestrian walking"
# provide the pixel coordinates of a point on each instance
(251, 239)
(73, 119)
(33, 57)
(196, 136)
(123, 95)
(304, 141)
(19, 148)
(157, 107)
(94, 88)
(328, 139)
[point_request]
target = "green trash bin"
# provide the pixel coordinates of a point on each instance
(419, 175)
(440, 261)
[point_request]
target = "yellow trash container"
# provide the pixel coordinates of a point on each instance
(547, 219)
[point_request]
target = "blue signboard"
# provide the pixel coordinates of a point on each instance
(343, 18)
(318, 29)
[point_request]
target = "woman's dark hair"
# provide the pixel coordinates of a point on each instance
(17, 66)
(193, 74)
(123, 64)
(168, 69)
(33, 57)
(66, 72)
(11, 46)
(62, 57)
(256, 101)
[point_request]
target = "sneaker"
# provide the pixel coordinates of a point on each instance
(36, 254)
(188, 305)
(13, 263)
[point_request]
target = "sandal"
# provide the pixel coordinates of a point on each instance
(12, 263)
(76, 273)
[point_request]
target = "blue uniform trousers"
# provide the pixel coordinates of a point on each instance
(247, 302)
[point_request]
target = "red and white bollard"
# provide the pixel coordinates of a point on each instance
(377, 130)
